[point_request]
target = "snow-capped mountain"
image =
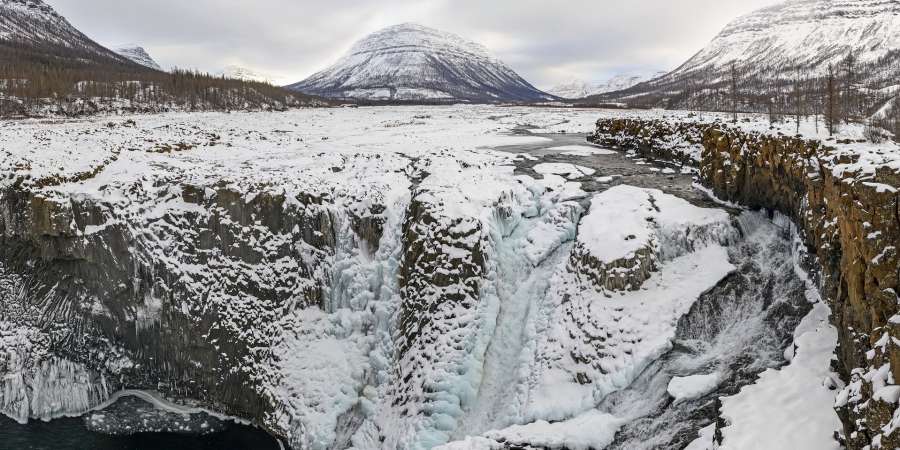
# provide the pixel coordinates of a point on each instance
(243, 73)
(807, 33)
(137, 54)
(33, 22)
(790, 39)
(410, 62)
(579, 89)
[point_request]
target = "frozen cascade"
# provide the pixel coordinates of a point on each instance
(50, 388)
(520, 284)
(533, 368)
(737, 330)
(357, 322)
(516, 236)
(55, 388)
(370, 283)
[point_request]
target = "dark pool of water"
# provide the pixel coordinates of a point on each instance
(72, 434)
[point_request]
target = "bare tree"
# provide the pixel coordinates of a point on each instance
(734, 92)
(831, 113)
(798, 99)
(848, 106)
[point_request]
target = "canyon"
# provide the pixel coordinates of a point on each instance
(460, 276)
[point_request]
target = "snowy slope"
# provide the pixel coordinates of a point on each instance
(137, 54)
(806, 33)
(410, 62)
(779, 42)
(580, 89)
(37, 23)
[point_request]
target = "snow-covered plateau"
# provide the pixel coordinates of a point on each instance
(400, 278)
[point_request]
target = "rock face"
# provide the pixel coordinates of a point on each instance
(107, 260)
(680, 142)
(850, 215)
(414, 63)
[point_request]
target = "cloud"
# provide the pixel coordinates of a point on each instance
(546, 42)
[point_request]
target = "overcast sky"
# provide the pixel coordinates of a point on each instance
(547, 42)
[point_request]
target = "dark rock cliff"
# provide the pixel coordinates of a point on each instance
(129, 297)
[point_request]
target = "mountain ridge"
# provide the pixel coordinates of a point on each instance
(576, 89)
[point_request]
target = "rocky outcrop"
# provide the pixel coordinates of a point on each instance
(679, 142)
(850, 217)
(624, 274)
(630, 231)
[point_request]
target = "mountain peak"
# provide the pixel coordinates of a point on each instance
(412, 62)
(137, 54)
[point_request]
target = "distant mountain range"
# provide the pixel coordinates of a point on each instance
(577, 89)
(410, 63)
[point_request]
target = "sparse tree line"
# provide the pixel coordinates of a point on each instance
(75, 81)
(847, 91)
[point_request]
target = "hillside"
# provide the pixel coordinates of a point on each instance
(49, 67)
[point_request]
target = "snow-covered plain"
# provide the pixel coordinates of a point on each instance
(526, 361)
